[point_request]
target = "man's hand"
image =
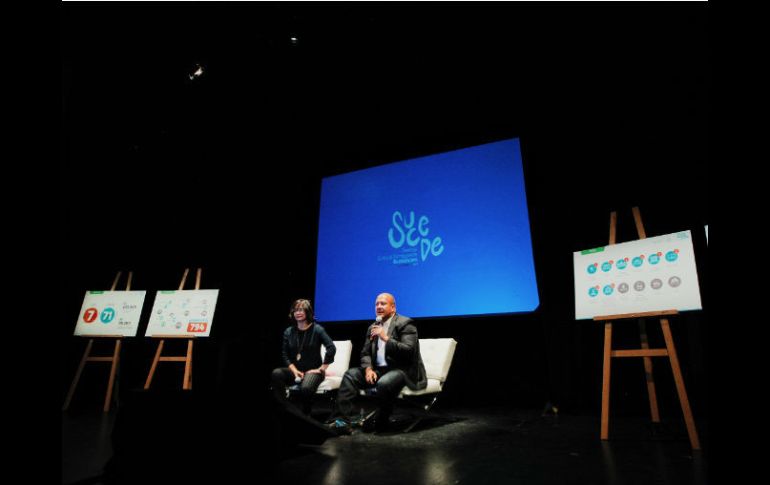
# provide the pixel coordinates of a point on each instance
(320, 370)
(378, 331)
(371, 376)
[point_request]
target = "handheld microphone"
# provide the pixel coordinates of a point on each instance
(378, 323)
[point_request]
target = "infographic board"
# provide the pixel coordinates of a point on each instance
(652, 274)
(182, 312)
(110, 313)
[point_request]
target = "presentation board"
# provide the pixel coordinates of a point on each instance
(652, 274)
(446, 234)
(182, 312)
(110, 313)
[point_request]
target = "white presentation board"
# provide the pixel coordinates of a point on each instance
(182, 312)
(652, 274)
(110, 313)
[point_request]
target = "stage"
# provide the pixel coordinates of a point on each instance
(200, 137)
(463, 445)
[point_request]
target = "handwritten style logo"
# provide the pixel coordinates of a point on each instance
(405, 232)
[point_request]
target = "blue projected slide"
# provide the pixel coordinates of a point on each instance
(446, 234)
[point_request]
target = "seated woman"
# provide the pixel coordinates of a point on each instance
(302, 355)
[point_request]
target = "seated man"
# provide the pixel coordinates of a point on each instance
(390, 360)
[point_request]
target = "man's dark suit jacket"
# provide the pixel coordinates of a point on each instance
(402, 351)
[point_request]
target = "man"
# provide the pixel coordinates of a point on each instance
(390, 360)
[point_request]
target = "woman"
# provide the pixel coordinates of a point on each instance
(302, 355)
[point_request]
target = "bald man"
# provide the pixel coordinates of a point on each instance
(390, 360)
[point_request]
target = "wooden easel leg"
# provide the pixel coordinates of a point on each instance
(648, 374)
(680, 389)
(113, 371)
(187, 383)
(74, 384)
(606, 380)
(154, 365)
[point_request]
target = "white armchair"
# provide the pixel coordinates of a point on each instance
(337, 369)
(437, 355)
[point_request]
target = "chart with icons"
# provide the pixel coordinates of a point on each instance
(110, 313)
(657, 273)
(182, 312)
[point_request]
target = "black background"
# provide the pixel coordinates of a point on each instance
(160, 172)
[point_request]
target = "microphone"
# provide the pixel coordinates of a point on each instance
(378, 323)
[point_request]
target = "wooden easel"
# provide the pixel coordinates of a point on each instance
(645, 353)
(87, 357)
(188, 357)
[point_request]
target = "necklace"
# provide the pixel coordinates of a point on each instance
(301, 346)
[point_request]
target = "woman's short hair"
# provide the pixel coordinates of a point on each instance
(302, 304)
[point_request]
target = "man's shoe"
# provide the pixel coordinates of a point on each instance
(368, 426)
(382, 425)
(368, 422)
(341, 427)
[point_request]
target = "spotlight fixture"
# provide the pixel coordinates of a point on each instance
(197, 73)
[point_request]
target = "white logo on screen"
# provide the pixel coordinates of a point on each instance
(405, 232)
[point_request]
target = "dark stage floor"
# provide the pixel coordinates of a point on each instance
(473, 446)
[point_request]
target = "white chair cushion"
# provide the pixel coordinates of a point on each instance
(337, 369)
(330, 384)
(434, 385)
(437, 354)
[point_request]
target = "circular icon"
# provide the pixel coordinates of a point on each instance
(591, 268)
(623, 288)
(671, 256)
(639, 285)
(178, 325)
(674, 281)
(637, 261)
(592, 291)
(107, 315)
(654, 259)
(656, 284)
(622, 263)
(606, 266)
(607, 289)
(90, 315)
